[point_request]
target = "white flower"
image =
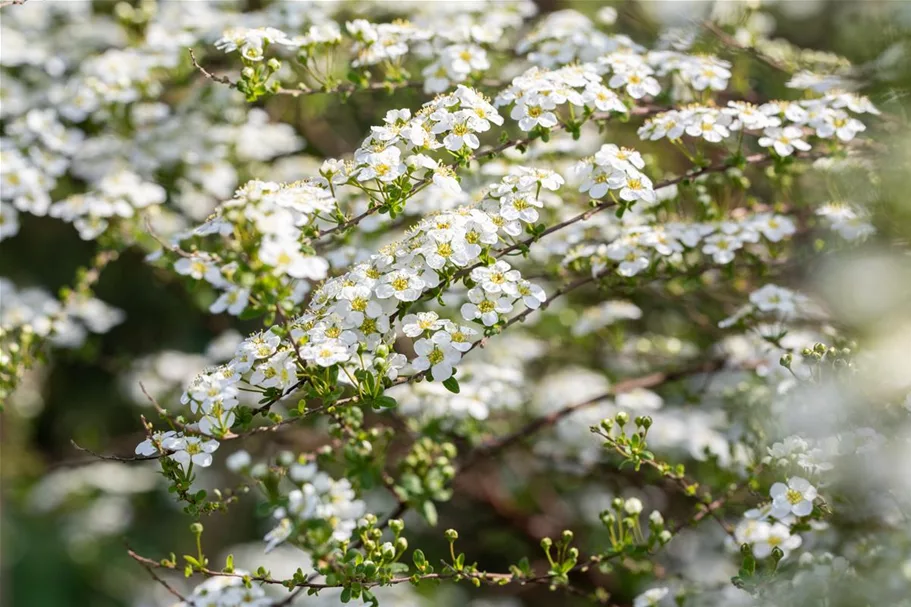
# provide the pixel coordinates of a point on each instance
(650, 598)
(638, 82)
(237, 461)
(404, 285)
(234, 301)
(187, 450)
(535, 111)
(436, 354)
(327, 353)
(774, 227)
(195, 267)
(639, 399)
(532, 295)
(784, 140)
(498, 278)
(148, 447)
(768, 536)
(721, 247)
(794, 498)
(483, 308)
(278, 371)
(414, 325)
(637, 186)
(620, 159)
(384, 166)
(772, 298)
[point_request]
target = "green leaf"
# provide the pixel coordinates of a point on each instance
(346, 595)
(452, 384)
(251, 313)
(429, 510)
(384, 402)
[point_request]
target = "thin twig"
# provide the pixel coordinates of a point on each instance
(149, 565)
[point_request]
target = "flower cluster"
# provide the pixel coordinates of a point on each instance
(66, 324)
(615, 169)
(375, 273)
(317, 499)
(537, 94)
(845, 220)
(272, 220)
(780, 302)
(637, 247)
(768, 528)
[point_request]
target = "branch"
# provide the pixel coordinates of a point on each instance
(150, 566)
(645, 110)
(208, 74)
(343, 88)
(730, 42)
(100, 456)
(498, 579)
(652, 380)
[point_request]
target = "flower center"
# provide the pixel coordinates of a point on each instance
(794, 496)
(436, 356)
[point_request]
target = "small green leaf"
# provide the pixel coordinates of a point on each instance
(452, 384)
(419, 559)
(384, 402)
(429, 510)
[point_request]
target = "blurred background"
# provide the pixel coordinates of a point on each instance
(64, 527)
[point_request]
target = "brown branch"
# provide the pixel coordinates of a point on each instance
(150, 566)
(730, 42)
(343, 88)
(645, 110)
(208, 74)
(652, 380)
(100, 456)
(482, 576)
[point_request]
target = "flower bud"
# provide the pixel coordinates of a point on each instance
(285, 458)
(388, 551)
(633, 506)
(451, 535)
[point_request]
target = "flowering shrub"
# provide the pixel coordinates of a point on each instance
(625, 259)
